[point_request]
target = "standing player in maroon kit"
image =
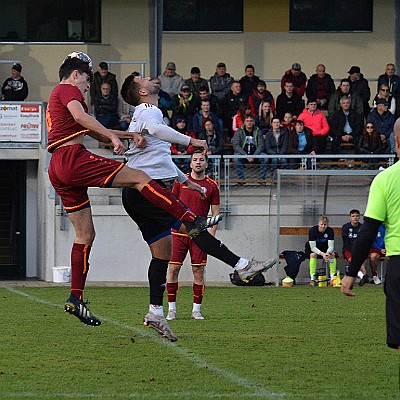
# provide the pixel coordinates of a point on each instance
(181, 243)
(73, 169)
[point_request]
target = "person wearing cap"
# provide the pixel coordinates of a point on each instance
(359, 85)
(391, 79)
(344, 91)
(171, 82)
(220, 82)
(195, 82)
(320, 86)
(103, 75)
(384, 93)
(249, 81)
(297, 77)
(15, 88)
(184, 106)
(383, 120)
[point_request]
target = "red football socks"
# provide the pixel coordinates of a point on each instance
(79, 268)
(172, 288)
(198, 293)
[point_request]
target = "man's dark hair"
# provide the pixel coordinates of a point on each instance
(199, 151)
(130, 90)
(204, 89)
(354, 211)
(345, 80)
(205, 101)
(74, 64)
(249, 66)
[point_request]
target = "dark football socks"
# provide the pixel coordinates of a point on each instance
(157, 275)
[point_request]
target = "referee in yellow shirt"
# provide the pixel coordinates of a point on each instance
(383, 206)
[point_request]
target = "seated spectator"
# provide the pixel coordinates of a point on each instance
(195, 82)
(264, 117)
(384, 93)
(345, 126)
(204, 115)
(124, 112)
(238, 119)
(350, 231)
(384, 122)
(215, 105)
(248, 140)
(213, 138)
(105, 107)
(276, 143)
(288, 101)
(103, 75)
(370, 142)
(180, 149)
(259, 94)
(184, 106)
(297, 77)
(249, 81)
(230, 105)
(301, 141)
(359, 85)
(343, 90)
(171, 82)
(220, 82)
(320, 86)
(321, 242)
(315, 120)
(15, 88)
(288, 122)
(391, 79)
(378, 250)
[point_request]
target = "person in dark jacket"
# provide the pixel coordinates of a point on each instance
(370, 142)
(359, 85)
(249, 81)
(288, 101)
(320, 86)
(195, 82)
(213, 138)
(102, 75)
(230, 105)
(184, 106)
(297, 77)
(105, 107)
(15, 88)
(259, 94)
(276, 143)
(391, 79)
(301, 141)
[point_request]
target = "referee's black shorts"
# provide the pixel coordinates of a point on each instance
(392, 292)
(153, 222)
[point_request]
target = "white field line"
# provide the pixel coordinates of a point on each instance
(256, 391)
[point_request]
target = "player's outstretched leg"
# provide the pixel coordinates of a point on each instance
(160, 324)
(78, 308)
(253, 267)
(201, 224)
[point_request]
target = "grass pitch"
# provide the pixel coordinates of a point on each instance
(256, 342)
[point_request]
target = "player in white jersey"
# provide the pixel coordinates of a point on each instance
(152, 153)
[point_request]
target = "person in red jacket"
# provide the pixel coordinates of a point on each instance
(315, 120)
(258, 95)
(297, 77)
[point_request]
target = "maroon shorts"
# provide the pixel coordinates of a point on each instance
(180, 246)
(376, 251)
(73, 169)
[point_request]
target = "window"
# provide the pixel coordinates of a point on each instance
(50, 21)
(203, 16)
(330, 15)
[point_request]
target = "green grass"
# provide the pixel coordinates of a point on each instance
(256, 342)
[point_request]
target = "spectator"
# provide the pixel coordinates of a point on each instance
(264, 117)
(384, 93)
(343, 90)
(297, 77)
(204, 115)
(301, 141)
(195, 82)
(105, 107)
(370, 142)
(15, 88)
(171, 82)
(259, 94)
(345, 126)
(320, 86)
(179, 125)
(102, 75)
(359, 85)
(288, 123)
(238, 119)
(184, 106)
(276, 143)
(215, 105)
(315, 120)
(220, 82)
(125, 112)
(164, 103)
(230, 105)
(391, 79)
(248, 140)
(249, 81)
(350, 232)
(288, 101)
(321, 242)
(213, 138)
(378, 250)
(384, 122)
